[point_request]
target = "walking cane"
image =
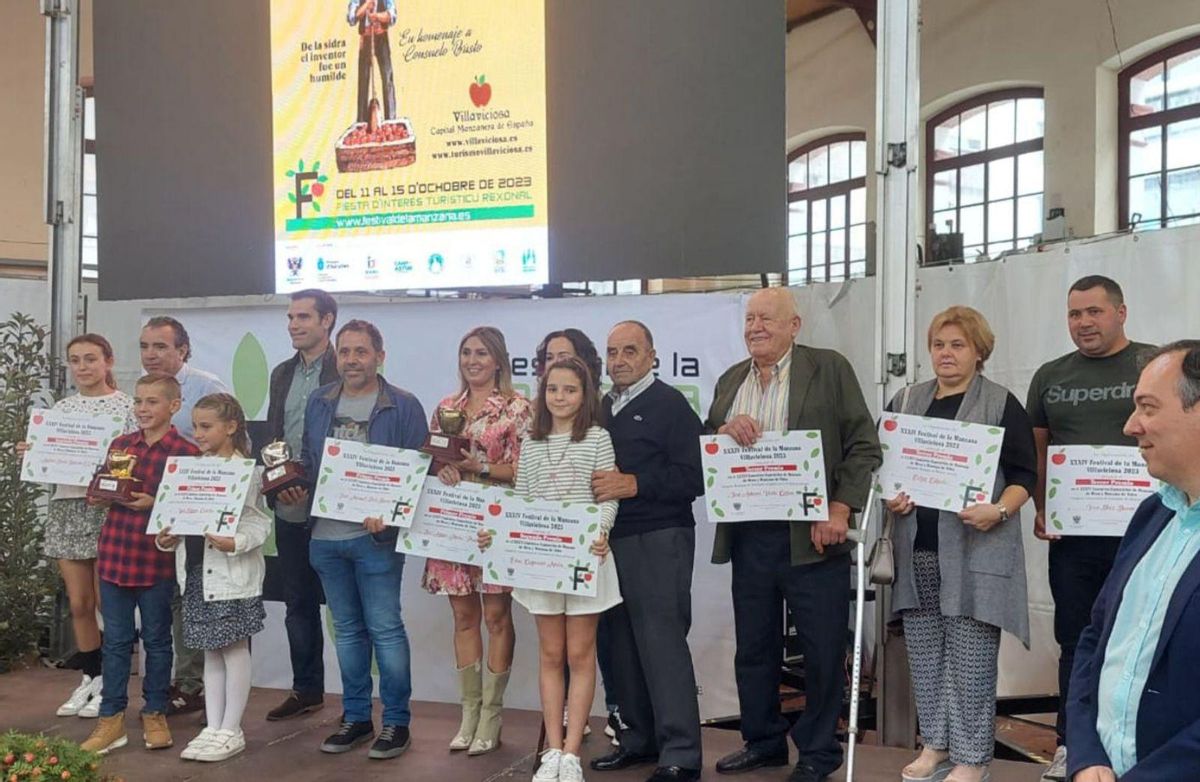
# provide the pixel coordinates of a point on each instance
(859, 536)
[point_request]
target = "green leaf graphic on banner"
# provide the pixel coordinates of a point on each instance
(250, 373)
(269, 547)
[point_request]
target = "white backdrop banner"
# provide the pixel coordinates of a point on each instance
(696, 338)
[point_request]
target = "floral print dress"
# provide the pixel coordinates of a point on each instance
(497, 431)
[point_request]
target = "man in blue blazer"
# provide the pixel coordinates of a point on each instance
(1134, 709)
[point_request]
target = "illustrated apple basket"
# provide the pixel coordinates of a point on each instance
(392, 145)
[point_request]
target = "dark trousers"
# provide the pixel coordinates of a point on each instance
(818, 597)
(608, 677)
(383, 56)
(1079, 567)
(302, 599)
(656, 687)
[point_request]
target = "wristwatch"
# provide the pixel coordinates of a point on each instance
(1003, 511)
(485, 470)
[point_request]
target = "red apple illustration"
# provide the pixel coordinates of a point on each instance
(481, 91)
(172, 467)
(817, 502)
(495, 509)
(1059, 458)
(890, 424)
(587, 576)
(711, 449)
(318, 189)
(37, 419)
(333, 450)
(979, 497)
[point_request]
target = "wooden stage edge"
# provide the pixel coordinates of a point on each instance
(288, 750)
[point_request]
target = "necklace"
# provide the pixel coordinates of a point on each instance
(560, 479)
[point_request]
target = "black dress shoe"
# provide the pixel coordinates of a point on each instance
(295, 705)
(615, 761)
(805, 773)
(674, 774)
(749, 758)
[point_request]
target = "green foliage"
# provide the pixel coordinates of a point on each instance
(28, 757)
(27, 581)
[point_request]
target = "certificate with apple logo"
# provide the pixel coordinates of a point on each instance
(448, 519)
(200, 494)
(542, 544)
(359, 481)
(941, 463)
(780, 478)
(65, 448)
(1094, 489)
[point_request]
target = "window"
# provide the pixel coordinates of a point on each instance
(827, 210)
(1159, 131)
(88, 242)
(983, 176)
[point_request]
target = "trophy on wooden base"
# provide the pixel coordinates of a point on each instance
(446, 446)
(118, 483)
(282, 471)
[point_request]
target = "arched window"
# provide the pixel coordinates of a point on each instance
(1159, 127)
(983, 176)
(827, 209)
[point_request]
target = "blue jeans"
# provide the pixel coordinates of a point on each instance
(117, 606)
(361, 577)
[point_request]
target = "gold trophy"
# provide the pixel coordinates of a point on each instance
(118, 484)
(282, 470)
(446, 446)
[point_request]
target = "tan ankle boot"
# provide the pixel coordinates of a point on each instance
(470, 685)
(155, 731)
(109, 734)
(487, 734)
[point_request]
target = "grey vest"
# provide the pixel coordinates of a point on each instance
(983, 573)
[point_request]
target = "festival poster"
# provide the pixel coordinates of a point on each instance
(358, 481)
(447, 522)
(542, 544)
(779, 478)
(409, 143)
(200, 494)
(66, 448)
(1094, 489)
(941, 464)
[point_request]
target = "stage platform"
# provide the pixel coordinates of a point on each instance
(287, 751)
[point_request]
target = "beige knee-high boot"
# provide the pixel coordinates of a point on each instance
(487, 735)
(470, 685)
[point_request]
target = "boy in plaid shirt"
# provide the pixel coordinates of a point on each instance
(135, 575)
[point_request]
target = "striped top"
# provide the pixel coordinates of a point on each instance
(768, 405)
(558, 469)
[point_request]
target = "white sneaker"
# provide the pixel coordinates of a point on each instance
(569, 769)
(202, 740)
(1058, 767)
(92, 710)
(80, 697)
(548, 770)
(224, 745)
(613, 727)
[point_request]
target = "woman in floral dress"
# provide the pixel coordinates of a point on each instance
(498, 419)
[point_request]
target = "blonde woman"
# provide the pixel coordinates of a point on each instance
(497, 421)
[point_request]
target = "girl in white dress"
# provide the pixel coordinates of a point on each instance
(564, 448)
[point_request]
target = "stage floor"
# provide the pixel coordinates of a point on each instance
(288, 750)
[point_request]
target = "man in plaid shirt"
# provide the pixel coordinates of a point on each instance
(135, 576)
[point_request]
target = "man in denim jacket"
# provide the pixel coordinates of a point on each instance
(357, 562)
